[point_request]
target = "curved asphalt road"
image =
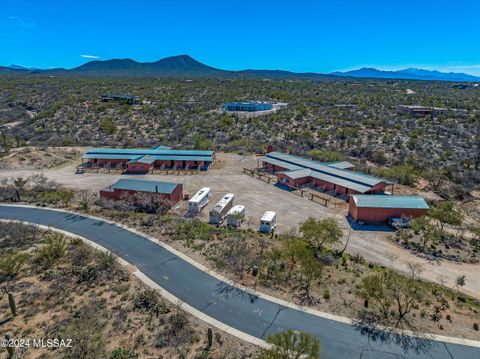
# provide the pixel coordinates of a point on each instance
(232, 306)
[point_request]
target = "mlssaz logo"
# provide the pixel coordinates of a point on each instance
(52, 343)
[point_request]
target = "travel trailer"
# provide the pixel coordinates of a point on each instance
(199, 200)
(236, 216)
(268, 222)
(219, 212)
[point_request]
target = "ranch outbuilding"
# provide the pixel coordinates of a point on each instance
(126, 189)
(144, 160)
(380, 208)
(336, 178)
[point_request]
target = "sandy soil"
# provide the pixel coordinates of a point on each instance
(34, 158)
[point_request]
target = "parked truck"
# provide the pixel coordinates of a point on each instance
(268, 222)
(236, 216)
(218, 214)
(199, 200)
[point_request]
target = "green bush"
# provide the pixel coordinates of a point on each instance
(11, 262)
(325, 155)
(53, 249)
(404, 174)
(122, 353)
(291, 344)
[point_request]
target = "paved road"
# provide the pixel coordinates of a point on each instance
(252, 315)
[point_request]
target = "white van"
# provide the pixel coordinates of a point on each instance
(219, 212)
(236, 216)
(199, 200)
(268, 222)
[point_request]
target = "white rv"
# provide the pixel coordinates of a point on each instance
(268, 222)
(199, 200)
(236, 216)
(219, 212)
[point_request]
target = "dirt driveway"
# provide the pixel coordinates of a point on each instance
(258, 197)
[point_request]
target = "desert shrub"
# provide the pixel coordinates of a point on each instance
(291, 344)
(325, 155)
(11, 262)
(80, 254)
(107, 125)
(237, 255)
(404, 174)
(53, 249)
(147, 301)
(88, 273)
(176, 332)
(122, 353)
(191, 230)
(17, 235)
(85, 329)
(107, 261)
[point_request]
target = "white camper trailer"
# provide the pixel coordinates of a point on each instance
(236, 216)
(219, 212)
(199, 200)
(268, 222)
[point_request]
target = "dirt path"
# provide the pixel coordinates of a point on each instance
(291, 210)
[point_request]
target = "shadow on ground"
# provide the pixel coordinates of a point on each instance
(368, 227)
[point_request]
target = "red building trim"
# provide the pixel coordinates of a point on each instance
(138, 167)
(381, 215)
(119, 194)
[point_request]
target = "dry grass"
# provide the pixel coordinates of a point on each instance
(103, 307)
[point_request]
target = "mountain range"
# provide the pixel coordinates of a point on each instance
(186, 66)
(408, 74)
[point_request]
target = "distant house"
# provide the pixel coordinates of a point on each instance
(247, 106)
(466, 86)
(125, 189)
(380, 208)
(420, 111)
(130, 100)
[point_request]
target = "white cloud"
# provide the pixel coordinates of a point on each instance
(90, 56)
(19, 23)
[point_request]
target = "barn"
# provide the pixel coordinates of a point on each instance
(337, 178)
(380, 208)
(129, 188)
(143, 160)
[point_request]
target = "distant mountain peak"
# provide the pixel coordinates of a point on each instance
(172, 65)
(408, 74)
(19, 67)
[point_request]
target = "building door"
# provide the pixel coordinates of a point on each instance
(172, 163)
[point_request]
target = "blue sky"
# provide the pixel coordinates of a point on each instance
(321, 36)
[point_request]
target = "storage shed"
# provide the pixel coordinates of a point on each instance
(126, 188)
(380, 208)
